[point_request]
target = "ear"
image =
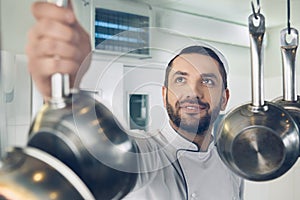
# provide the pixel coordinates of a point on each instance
(225, 98)
(164, 95)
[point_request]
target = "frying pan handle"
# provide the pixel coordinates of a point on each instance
(289, 44)
(256, 24)
(60, 83)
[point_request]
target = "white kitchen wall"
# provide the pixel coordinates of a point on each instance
(16, 105)
(18, 108)
(143, 80)
(16, 94)
(15, 22)
(284, 187)
(105, 79)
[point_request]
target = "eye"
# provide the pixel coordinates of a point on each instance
(180, 80)
(208, 82)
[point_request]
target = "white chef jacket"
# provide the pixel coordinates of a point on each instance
(172, 168)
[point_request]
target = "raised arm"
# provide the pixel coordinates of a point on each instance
(56, 43)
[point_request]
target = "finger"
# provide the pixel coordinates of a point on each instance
(55, 30)
(46, 66)
(51, 11)
(48, 48)
(42, 69)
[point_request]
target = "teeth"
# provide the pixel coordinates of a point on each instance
(190, 107)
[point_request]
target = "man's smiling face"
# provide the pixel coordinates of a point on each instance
(195, 93)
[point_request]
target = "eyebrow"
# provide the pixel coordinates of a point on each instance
(205, 75)
(209, 75)
(180, 73)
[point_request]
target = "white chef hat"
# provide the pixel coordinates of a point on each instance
(209, 49)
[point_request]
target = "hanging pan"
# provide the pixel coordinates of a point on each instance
(290, 100)
(30, 174)
(84, 134)
(258, 141)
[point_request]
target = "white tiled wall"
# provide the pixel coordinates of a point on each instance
(17, 100)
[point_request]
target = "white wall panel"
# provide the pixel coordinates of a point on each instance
(204, 28)
(138, 80)
(17, 99)
(105, 79)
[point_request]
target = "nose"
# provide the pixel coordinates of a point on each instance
(196, 90)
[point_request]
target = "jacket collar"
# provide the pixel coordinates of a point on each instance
(176, 140)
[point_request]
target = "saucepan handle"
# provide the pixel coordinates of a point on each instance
(289, 45)
(256, 30)
(60, 83)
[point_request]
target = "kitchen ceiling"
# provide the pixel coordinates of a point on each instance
(236, 11)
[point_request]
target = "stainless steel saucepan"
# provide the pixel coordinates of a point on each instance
(84, 134)
(290, 100)
(258, 141)
(29, 173)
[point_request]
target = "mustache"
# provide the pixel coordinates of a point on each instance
(193, 101)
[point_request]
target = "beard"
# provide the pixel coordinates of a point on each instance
(198, 126)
